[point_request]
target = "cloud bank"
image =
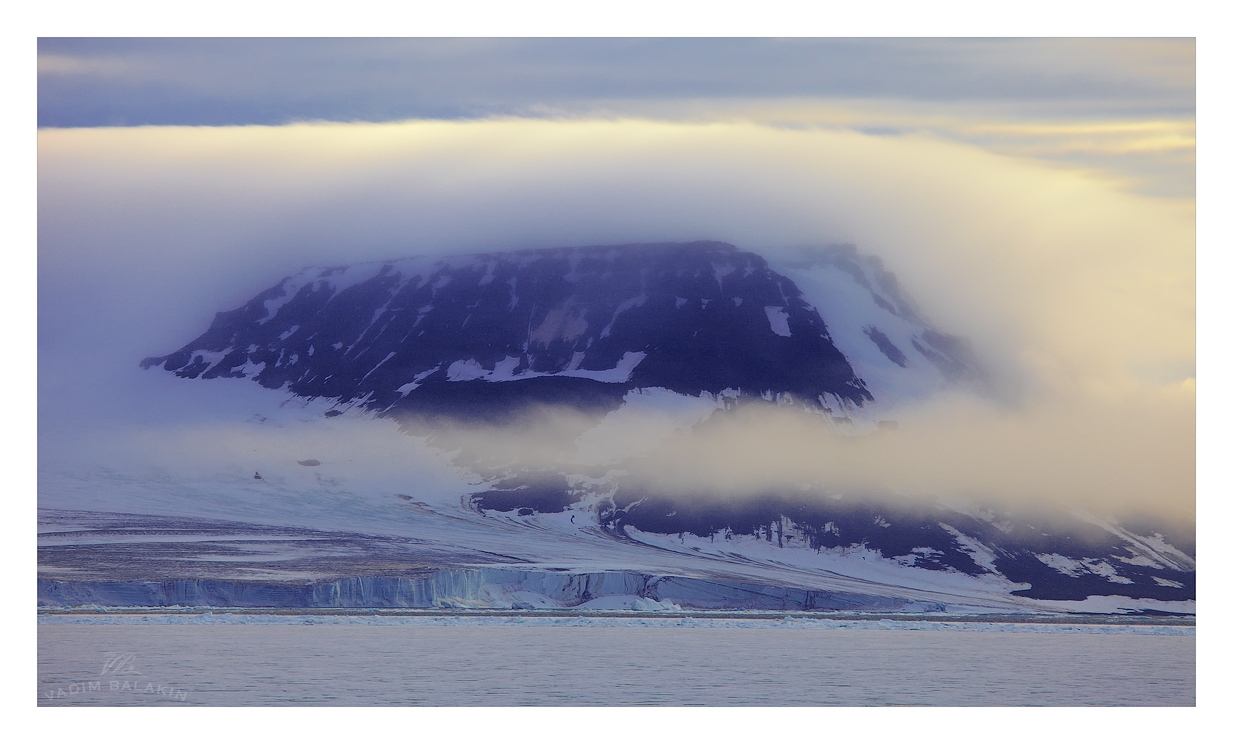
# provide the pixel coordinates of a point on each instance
(1079, 296)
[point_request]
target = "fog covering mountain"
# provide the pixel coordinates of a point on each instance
(558, 385)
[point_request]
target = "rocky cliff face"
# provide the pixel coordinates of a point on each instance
(474, 335)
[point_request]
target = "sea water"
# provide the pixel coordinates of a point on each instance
(233, 660)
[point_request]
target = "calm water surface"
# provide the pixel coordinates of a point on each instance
(240, 665)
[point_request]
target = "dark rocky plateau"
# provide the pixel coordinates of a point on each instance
(476, 336)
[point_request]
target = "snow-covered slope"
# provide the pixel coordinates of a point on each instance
(901, 358)
(342, 483)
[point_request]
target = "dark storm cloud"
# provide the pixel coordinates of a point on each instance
(130, 82)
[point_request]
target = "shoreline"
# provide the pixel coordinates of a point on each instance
(1004, 618)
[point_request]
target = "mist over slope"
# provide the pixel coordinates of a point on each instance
(671, 408)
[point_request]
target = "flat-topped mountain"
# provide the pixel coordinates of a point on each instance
(420, 333)
(692, 327)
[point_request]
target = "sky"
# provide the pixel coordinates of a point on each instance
(1037, 196)
(1124, 108)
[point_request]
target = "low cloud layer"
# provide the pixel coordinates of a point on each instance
(1079, 296)
(1127, 455)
